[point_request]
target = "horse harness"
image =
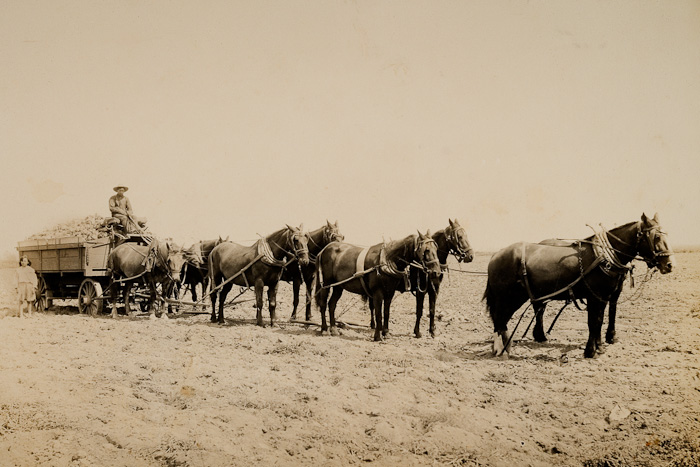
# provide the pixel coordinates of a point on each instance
(385, 266)
(605, 257)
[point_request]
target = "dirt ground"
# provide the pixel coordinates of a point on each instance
(136, 391)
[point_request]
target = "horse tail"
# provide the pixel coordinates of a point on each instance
(211, 274)
(488, 297)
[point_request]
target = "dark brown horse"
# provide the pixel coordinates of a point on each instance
(377, 273)
(318, 239)
(157, 263)
(590, 269)
(260, 265)
(196, 268)
(450, 240)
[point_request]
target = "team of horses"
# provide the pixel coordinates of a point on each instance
(589, 271)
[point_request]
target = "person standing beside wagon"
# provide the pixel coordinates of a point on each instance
(27, 284)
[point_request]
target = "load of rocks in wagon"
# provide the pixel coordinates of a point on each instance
(87, 228)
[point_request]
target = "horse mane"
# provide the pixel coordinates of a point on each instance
(614, 229)
(392, 248)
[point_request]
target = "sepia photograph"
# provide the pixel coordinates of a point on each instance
(350, 232)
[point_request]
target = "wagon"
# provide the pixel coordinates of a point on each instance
(73, 268)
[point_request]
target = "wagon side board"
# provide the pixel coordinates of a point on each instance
(62, 264)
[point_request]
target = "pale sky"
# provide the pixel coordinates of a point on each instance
(524, 120)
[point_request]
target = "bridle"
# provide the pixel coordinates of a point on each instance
(419, 248)
(293, 238)
(648, 233)
(330, 234)
(453, 243)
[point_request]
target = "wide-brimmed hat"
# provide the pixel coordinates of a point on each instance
(116, 188)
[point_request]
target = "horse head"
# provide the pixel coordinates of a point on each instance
(426, 253)
(331, 233)
(298, 241)
(174, 258)
(458, 242)
(653, 245)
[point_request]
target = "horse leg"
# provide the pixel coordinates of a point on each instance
(538, 331)
(370, 305)
(309, 282)
(222, 300)
(322, 302)
(387, 308)
(612, 313)
(377, 300)
(259, 302)
(272, 302)
(205, 288)
(153, 297)
(433, 291)
(596, 309)
(193, 290)
(173, 291)
(212, 298)
(296, 285)
(332, 303)
(127, 291)
(113, 294)
(500, 315)
(420, 298)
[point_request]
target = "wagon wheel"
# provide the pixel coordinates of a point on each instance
(43, 296)
(90, 297)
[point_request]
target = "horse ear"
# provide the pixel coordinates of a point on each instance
(450, 221)
(456, 221)
(290, 227)
(656, 217)
(301, 227)
(645, 219)
(427, 234)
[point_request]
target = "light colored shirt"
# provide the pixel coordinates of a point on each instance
(26, 274)
(119, 205)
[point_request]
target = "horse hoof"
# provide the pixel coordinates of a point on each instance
(610, 339)
(418, 335)
(334, 332)
(504, 356)
(324, 332)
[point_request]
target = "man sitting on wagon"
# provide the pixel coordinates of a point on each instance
(120, 207)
